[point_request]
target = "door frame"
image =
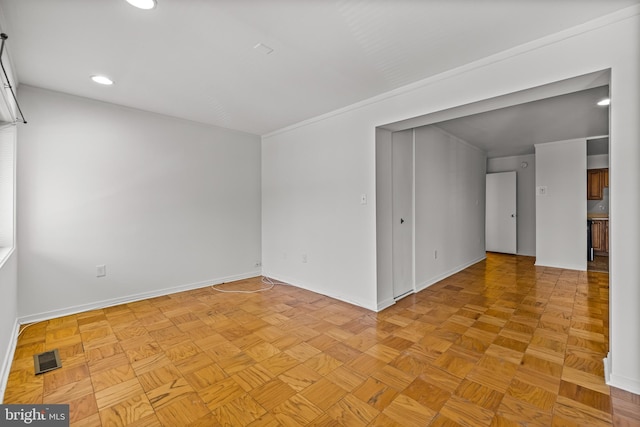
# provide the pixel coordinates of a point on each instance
(401, 291)
(511, 179)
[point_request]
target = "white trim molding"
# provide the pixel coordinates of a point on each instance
(8, 359)
(132, 298)
(386, 304)
(618, 381)
(434, 280)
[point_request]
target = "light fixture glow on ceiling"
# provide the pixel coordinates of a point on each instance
(103, 80)
(143, 4)
(604, 102)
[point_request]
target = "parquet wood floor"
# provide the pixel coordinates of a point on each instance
(599, 263)
(501, 343)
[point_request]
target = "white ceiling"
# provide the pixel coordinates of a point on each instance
(194, 59)
(514, 130)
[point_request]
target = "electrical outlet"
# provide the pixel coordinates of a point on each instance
(304, 258)
(435, 254)
(363, 199)
(101, 270)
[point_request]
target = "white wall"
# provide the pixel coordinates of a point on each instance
(7, 188)
(624, 209)
(312, 181)
(166, 204)
(314, 172)
(561, 213)
(449, 204)
(598, 161)
(8, 317)
(8, 255)
(384, 216)
(526, 198)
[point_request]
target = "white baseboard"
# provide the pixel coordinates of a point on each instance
(533, 254)
(618, 381)
(8, 359)
(391, 301)
(624, 383)
(306, 287)
(577, 267)
(385, 304)
(382, 304)
(448, 273)
(132, 298)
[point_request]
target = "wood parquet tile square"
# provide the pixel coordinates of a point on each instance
(352, 411)
(296, 411)
(109, 377)
(480, 395)
(221, 393)
(129, 411)
(407, 412)
(502, 343)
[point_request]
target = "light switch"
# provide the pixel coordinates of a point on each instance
(101, 270)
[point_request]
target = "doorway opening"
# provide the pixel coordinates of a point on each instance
(463, 243)
(598, 221)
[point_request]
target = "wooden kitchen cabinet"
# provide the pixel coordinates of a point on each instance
(597, 180)
(600, 236)
(594, 184)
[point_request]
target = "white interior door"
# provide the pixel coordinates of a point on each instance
(501, 214)
(402, 176)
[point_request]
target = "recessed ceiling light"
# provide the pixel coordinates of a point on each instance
(143, 4)
(604, 102)
(103, 80)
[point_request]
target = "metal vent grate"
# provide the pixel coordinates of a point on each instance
(47, 361)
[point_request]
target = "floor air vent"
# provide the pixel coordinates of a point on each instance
(47, 361)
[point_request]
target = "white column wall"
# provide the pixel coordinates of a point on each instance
(561, 213)
(624, 211)
(312, 182)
